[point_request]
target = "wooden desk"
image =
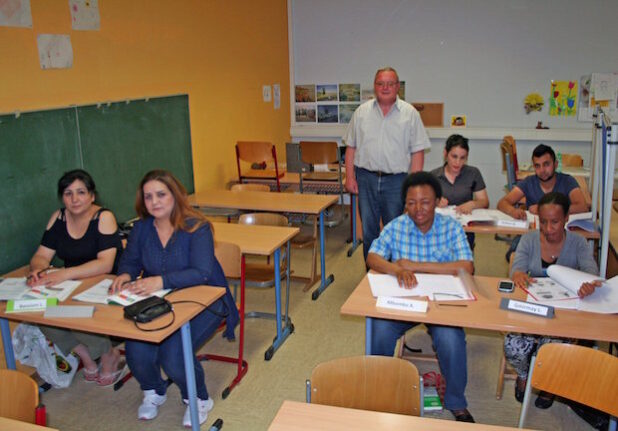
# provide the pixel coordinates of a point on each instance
(109, 320)
(13, 425)
(263, 241)
(274, 202)
(484, 313)
(296, 416)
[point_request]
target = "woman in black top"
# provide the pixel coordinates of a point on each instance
(85, 236)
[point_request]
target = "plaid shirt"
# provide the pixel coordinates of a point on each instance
(444, 242)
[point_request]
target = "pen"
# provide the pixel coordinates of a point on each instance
(444, 304)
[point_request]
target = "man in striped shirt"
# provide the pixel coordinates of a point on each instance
(425, 242)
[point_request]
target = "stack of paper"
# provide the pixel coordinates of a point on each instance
(485, 217)
(436, 287)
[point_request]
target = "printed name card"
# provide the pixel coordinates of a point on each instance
(402, 304)
(527, 307)
(26, 305)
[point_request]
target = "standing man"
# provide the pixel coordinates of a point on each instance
(421, 241)
(385, 141)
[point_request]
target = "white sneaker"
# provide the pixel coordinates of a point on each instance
(203, 407)
(150, 406)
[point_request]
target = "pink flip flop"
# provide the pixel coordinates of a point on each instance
(106, 380)
(91, 375)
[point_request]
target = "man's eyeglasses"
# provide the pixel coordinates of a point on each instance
(386, 84)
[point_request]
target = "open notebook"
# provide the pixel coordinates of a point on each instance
(436, 287)
(16, 288)
(486, 217)
(99, 294)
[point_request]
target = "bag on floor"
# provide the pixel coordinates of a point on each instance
(32, 348)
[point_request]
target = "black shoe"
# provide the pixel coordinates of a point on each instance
(544, 400)
(520, 389)
(597, 419)
(462, 415)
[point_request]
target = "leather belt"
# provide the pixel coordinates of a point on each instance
(380, 173)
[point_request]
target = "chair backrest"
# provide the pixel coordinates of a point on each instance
(582, 374)
(266, 219)
(316, 152)
(512, 145)
(378, 383)
(19, 396)
(250, 187)
(573, 160)
(507, 159)
(228, 255)
(254, 151)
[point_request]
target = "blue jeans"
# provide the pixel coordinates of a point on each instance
(450, 345)
(146, 359)
(378, 198)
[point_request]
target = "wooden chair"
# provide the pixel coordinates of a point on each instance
(230, 258)
(578, 373)
(262, 274)
(511, 147)
(378, 383)
(315, 153)
(262, 153)
(504, 370)
(250, 187)
(508, 165)
(572, 160)
(19, 398)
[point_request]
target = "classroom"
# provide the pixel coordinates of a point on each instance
(176, 85)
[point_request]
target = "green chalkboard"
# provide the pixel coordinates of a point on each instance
(116, 143)
(35, 150)
(123, 141)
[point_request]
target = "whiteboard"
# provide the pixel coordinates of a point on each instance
(480, 57)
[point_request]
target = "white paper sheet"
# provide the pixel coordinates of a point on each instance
(97, 294)
(15, 13)
(61, 290)
(85, 14)
(604, 300)
(436, 287)
(13, 288)
(55, 51)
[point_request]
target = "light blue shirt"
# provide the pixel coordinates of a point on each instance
(444, 242)
(385, 143)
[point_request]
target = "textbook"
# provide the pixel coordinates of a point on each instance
(486, 217)
(30, 305)
(99, 294)
(431, 399)
(560, 291)
(16, 288)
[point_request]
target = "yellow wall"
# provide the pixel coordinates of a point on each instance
(219, 52)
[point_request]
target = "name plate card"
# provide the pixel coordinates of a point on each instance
(402, 304)
(546, 311)
(29, 305)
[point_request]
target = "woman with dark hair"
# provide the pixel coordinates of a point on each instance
(85, 236)
(551, 244)
(462, 185)
(172, 247)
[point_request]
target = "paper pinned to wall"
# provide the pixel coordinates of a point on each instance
(85, 14)
(15, 13)
(55, 51)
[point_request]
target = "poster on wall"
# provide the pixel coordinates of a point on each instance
(328, 114)
(305, 113)
(598, 89)
(349, 92)
(15, 13)
(326, 92)
(304, 93)
(562, 98)
(55, 51)
(85, 14)
(346, 110)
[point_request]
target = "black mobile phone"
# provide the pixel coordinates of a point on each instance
(505, 286)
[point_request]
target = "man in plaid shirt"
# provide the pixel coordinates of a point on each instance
(425, 242)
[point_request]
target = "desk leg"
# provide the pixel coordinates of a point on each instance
(355, 243)
(525, 403)
(282, 333)
(9, 355)
(187, 350)
(325, 280)
(368, 333)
